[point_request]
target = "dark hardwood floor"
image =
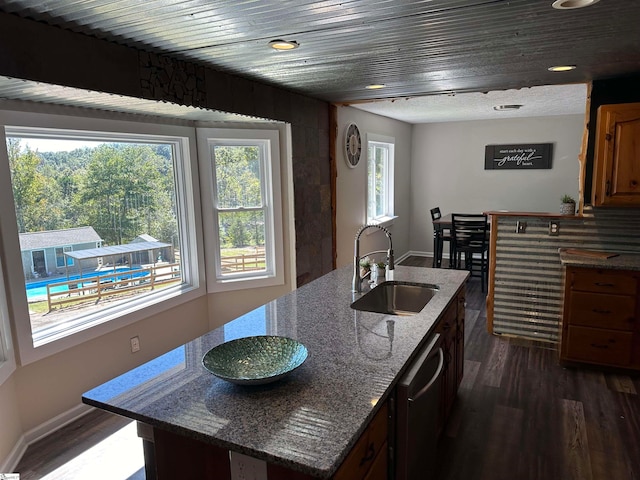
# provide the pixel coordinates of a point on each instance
(519, 416)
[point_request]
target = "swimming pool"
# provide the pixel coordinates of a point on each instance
(38, 290)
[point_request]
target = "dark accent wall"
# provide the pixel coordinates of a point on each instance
(35, 51)
(606, 92)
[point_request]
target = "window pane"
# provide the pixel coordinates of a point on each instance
(377, 171)
(238, 176)
(60, 257)
(88, 196)
(242, 247)
(381, 171)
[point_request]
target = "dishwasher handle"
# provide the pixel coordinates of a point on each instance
(433, 380)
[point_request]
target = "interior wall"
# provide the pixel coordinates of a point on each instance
(351, 186)
(9, 421)
(448, 169)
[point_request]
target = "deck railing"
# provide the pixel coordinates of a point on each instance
(96, 288)
(243, 263)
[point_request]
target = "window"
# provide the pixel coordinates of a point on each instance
(106, 226)
(380, 151)
(62, 259)
(243, 219)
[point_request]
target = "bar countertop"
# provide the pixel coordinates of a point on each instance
(591, 259)
(309, 420)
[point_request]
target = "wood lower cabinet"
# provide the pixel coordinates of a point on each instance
(616, 172)
(451, 330)
(600, 324)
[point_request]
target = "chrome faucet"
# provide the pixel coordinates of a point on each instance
(357, 281)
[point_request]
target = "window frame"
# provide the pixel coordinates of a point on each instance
(271, 187)
(188, 205)
(388, 217)
(7, 354)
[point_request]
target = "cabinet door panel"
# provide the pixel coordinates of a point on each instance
(625, 153)
(616, 178)
(614, 312)
(597, 345)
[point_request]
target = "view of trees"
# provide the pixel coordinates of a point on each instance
(239, 196)
(122, 190)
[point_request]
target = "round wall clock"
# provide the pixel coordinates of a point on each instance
(353, 145)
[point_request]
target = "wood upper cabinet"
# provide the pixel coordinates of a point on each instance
(616, 172)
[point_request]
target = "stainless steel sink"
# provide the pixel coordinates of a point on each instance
(396, 298)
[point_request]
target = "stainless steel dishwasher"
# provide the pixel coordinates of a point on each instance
(418, 404)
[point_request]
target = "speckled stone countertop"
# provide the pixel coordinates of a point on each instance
(309, 420)
(622, 261)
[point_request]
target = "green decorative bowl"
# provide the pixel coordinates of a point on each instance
(255, 360)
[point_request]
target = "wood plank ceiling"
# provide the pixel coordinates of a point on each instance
(413, 47)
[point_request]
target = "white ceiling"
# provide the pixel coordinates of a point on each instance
(536, 102)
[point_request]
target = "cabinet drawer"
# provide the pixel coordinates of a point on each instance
(601, 282)
(615, 312)
(449, 320)
(363, 453)
(597, 345)
(380, 467)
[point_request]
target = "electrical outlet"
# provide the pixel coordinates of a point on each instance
(521, 227)
(554, 228)
(244, 467)
(135, 344)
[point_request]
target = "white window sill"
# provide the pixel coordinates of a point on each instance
(381, 222)
(117, 318)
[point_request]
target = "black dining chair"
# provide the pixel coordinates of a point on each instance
(440, 236)
(470, 241)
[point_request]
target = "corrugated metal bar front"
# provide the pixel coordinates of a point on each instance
(528, 280)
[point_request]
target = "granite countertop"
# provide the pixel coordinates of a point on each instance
(309, 420)
(621, 260)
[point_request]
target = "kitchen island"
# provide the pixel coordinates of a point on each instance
(306, 423)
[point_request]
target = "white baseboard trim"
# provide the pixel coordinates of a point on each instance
(400, 258)
(10, 463)
(41, 431)
(416, 253)
(423, 254)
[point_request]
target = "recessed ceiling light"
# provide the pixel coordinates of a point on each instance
(502, 108)
(569, 4)
(561, 68)
(375, 86)
(283, 45)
